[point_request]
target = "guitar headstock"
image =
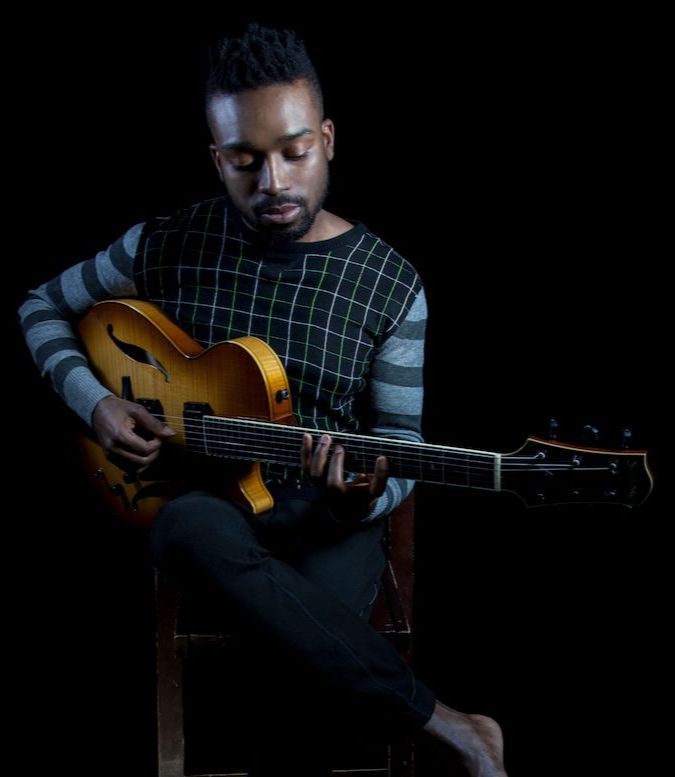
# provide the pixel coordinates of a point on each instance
(544, 472)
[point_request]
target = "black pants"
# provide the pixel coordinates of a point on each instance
(301, 587)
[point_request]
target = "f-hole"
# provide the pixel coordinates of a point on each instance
(138, 354)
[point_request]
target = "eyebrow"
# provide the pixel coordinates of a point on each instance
(242, 145)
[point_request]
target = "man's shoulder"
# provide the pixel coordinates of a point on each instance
(203, 214)
(194, 231)
(381, 253)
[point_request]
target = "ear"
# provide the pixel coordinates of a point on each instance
(215, 156)
(328, 135)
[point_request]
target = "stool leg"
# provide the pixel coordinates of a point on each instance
(169, 677)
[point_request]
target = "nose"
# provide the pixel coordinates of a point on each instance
(272, 176)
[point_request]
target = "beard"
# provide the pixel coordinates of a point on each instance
(279, 234)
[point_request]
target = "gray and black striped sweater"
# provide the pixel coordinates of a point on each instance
(346, 316)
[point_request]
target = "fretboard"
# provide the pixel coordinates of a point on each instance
(251, 440)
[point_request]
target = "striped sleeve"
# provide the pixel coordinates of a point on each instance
(47, 314)
(396, 394)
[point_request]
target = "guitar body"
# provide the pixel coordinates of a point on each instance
(139, 353)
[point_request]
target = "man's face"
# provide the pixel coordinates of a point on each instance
(272, 150)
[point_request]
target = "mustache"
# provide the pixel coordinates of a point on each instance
(277, 202)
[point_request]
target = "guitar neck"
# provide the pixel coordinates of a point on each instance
(252, 440)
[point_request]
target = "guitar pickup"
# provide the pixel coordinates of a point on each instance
(193, 414)
(154, 407)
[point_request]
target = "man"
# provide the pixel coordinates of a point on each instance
(346, 315)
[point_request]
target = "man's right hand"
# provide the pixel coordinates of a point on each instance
(116, 421)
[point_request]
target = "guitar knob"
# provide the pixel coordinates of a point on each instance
(590, 433)
(553, 429)
(626, 436)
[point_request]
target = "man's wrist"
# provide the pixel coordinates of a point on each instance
(346, 519)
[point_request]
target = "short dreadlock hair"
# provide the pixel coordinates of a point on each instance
(260, 56)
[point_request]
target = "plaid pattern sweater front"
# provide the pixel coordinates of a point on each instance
(346, 316)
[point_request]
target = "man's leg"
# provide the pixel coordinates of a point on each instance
(210, 547)
(346, 563)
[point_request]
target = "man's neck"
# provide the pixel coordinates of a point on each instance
(326, 226)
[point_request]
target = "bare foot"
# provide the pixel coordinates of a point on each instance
(477, 738)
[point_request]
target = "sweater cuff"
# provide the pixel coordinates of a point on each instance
(82, 392)
(396, 491)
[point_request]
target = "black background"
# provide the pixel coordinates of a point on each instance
(516, 161)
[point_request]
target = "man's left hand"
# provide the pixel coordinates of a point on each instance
(348, 502)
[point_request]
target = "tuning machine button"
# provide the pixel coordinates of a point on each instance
(591, 434)
(553, 429)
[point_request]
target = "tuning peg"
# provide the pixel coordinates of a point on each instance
(590, 433)
(626, 438)
(552, 429)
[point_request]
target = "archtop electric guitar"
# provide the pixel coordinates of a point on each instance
(232, 401)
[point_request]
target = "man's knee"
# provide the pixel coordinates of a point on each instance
(192, 519)
(350, 571)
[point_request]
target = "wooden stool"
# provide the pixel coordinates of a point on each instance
(175, 645)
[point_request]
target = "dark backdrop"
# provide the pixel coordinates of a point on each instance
(515, 162)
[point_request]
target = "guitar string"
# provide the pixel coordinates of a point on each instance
(289, 453)
(357, 446)
(257, 432)
(423, 454)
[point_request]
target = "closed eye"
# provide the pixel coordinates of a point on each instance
(250, 166)
(243, 165)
